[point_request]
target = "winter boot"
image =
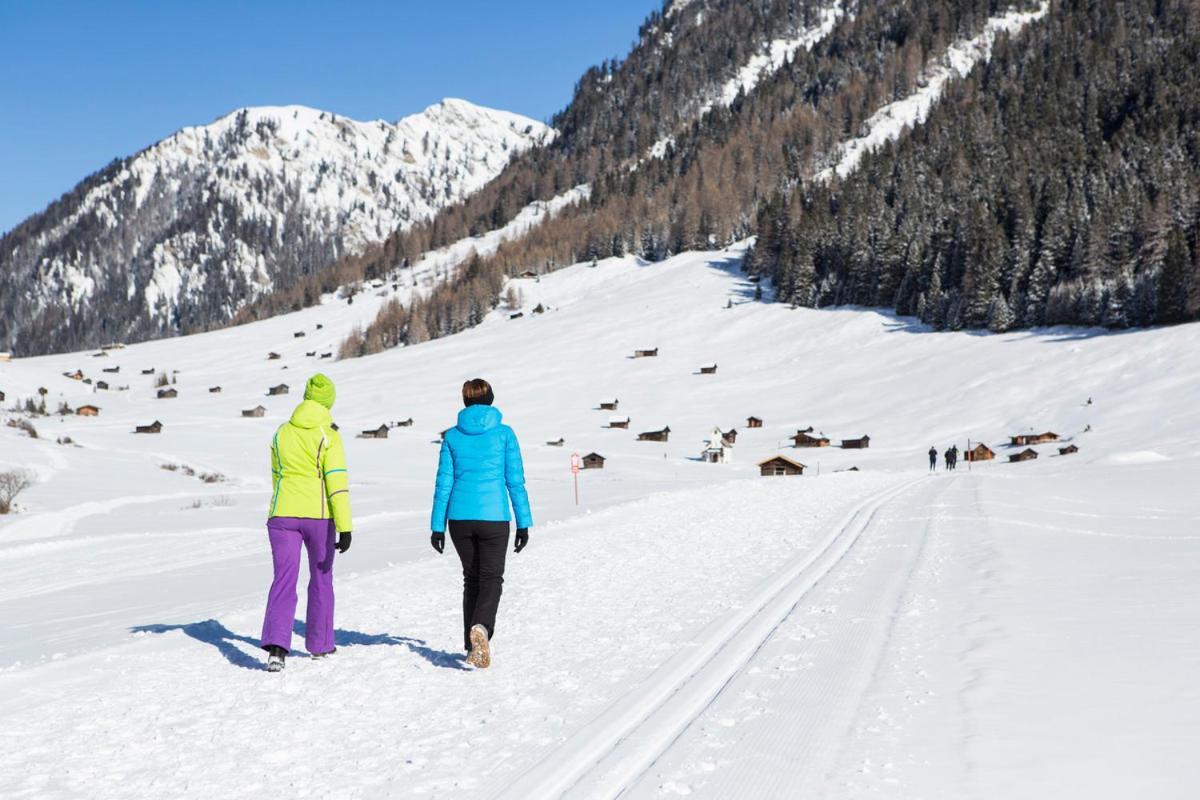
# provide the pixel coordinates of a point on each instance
(276, 657)
(324, 655)
(481, 654)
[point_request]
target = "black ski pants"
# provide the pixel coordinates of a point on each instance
(481, 547)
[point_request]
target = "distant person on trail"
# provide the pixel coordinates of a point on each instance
(954, 457)
(946, 457)
(932, 458)
(309, 503)
(479, 474)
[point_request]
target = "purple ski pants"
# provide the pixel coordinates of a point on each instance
(286, 534)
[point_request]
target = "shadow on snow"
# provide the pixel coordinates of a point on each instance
(212, 632)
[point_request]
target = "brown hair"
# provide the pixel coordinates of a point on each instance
(476, 392)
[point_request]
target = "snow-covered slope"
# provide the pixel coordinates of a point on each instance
(1009, 631)
(186, 231)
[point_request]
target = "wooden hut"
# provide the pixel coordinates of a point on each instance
(405, 423)
(320, 326)
(273, 356)
(2, 397)
(1068, 450)
(779, 465)
(377, 433)
(169, 393)
(311, 354)
(87, 411)
(645, 353)
(1042, 438)
(153, 427)
(214, 390)
(593, 461)
(278, 390)
(980, 452)
(559, 442)
(708, 369)
(730, 435)
(148, 371)
(1028, 454)
(539, 309)
(102, 385)
(806, 438)
(618, 422)
(516, 315)
(609, 405)
(754, 422)
(257, 411)
(77, 375)
(861, 443)
(299, 335)
(655, 436)
(112, 370)
(327, 355)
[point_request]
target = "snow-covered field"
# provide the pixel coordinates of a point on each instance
(1012, 630)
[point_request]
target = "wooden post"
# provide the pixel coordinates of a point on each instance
(575, 474)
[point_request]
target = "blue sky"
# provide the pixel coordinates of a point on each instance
(84, 82)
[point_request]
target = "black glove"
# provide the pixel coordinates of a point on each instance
(438, 540)
(343, 543)
(522, 539)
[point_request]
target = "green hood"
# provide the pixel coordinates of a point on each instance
(311, 414)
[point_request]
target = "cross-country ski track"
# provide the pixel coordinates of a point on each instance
(609, 753)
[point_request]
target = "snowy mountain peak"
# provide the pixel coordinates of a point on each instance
(183, 233)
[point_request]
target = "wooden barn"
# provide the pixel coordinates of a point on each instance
(609, 405)
(779, 465)
(87, 411)
(257, 411)
(112, 370)
(148, 371)
(516, 315)
(754, 422)
(327, 355)
(169, 393)
(214, 390)
(980, 452)
(618, 422)
(806, 438)
(861, 443)
(299, 335)
(278, 390)
(655, 436)
(559, 442)
(1068, 450)
(405, 423)
(1022, 439)
(730, 435)
(2, 397)
(273, 356)
(378, 433)
(153, 427)
(539, 309)
(708, 369)
(645, 353)
(593, 461)
(1028, 454)
(102, 385)
(311, 354)
(77, 375)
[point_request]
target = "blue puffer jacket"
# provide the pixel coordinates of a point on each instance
(479, 470)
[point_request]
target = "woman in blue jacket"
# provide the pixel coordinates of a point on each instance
(479, 473)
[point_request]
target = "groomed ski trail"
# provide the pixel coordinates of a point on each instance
(607, 756)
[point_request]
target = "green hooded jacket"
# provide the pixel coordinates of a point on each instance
(308, 468)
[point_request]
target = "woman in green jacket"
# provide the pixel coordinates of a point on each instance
(310, 500)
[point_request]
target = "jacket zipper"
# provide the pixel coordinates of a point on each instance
(320, 475)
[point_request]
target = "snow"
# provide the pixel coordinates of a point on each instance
(1011, 630)
(889, 123)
